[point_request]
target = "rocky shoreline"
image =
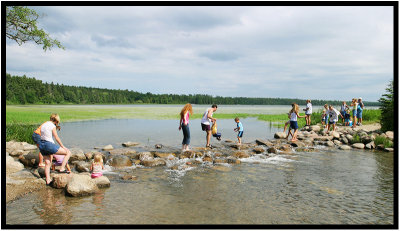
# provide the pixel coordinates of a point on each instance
(23, 175)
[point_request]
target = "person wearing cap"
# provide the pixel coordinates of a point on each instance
(360, 108)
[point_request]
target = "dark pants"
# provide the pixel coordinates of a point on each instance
(186, 134)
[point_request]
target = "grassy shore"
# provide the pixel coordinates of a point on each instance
(22, 120)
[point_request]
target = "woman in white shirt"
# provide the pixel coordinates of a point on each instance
(48, 147)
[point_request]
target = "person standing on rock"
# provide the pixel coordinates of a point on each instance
(294, 114)
(343, 110)
(184, 125)
(308, 111)
(360, 108)
(354, 104)
(206, 123)
(47, 146)
(333, 117)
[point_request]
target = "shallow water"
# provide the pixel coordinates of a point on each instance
(98, 133)
(324, 187)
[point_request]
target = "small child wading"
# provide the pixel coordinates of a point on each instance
(239, 129)
(97, 166)
(215, 132)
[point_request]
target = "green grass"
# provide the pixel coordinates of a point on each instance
(30, 117)
(383, 140)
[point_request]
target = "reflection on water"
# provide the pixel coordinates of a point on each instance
(324, 187)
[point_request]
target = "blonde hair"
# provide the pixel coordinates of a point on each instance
(98, 158)
(295, 108)
(55, 118)
(187, 107)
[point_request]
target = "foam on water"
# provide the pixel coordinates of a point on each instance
(259, 158)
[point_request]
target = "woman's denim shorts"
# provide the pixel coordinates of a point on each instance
(48, 148)
(36, 138)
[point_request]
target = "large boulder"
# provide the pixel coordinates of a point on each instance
(30, 159)
(358, 145)
(389, 134)
(12, 165)
(345, 147)
(61, 180)
(336, 135)
(77, 154)
(344, 140)
(120, 161)
(102, 182)
(280, 135)
(80, 185)
(315, 128)
(370, 145)
(82, 166)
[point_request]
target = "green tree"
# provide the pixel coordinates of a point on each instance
(21, 26)
(387, 108)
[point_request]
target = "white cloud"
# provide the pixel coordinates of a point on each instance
(269, 51)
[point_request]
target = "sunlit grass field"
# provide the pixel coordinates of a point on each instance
(22, 120)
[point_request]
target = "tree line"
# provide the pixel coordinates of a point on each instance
(25, 90)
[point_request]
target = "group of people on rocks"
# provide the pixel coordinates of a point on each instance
(329, 117)
(208, 124)
(43, 137)
(44, 134)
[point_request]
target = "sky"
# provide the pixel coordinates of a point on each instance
(306, 52)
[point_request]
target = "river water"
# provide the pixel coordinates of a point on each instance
(324, 187)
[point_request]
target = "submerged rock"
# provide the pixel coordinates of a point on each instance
(130, 144)
(119, 161)
(153, 162)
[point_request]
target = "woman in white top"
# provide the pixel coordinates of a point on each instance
(205, 123)
(48, 147)
(293, 114)
(308, 112)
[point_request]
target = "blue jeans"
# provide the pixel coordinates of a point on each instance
(186, 134)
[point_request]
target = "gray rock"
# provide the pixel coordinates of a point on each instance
(158, 146)
(389, 149)
(329, 143)
(345, 147)
(297, 144)
(12, 165)
(370, 145)
(153, 162)
(82, 166)
(61, 180)
(130, 144)
(145, 156)
(323, 138)
(390, 135)
(30, 159)
(336, 135)
(120, 161)
(102, 182)
(77, 154)
(337, 142)
(349, 137)
(80, 185)
(264, 142)
(358, 145)
(344, 140)
(280, 135)
(107, 147)
(315, 128)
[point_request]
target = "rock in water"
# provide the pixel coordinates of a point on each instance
(102, 182)
(280, 135)
(81, 185)
(108, 147)
(345, 147)
(130, 144)
(358, 145)
(158, 146)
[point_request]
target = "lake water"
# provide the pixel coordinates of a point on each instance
(324, 187)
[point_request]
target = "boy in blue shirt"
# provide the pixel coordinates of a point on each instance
(239, 129)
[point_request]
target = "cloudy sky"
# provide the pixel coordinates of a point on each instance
(302, 52)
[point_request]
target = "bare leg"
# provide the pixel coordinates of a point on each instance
(41, 164)
(208, 138)
(47, 168)
(286, 124)
(294, 136)
(67, 153)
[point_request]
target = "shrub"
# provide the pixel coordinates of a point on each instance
(387, 108)
(383, 140)
(356, 139)
(20, 132)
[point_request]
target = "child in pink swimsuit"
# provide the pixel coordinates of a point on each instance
(97, 166)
